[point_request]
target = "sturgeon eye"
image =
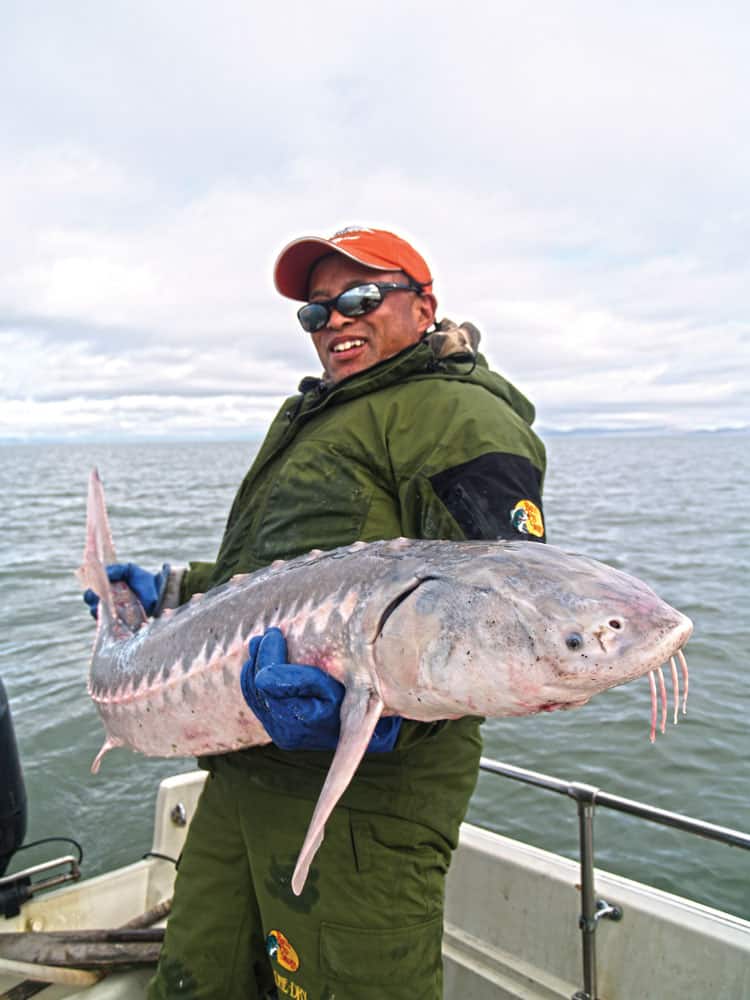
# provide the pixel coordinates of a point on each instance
(574, 641)
(614, 623)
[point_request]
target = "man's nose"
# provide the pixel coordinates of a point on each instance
(337, 320)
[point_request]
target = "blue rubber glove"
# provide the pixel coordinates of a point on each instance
(299, 705)
(148, 587)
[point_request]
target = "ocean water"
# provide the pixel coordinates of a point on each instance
(672, 510)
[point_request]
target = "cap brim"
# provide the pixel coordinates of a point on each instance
(291, 273)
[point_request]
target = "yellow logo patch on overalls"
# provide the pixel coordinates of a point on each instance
(527, 518)
(278, 947)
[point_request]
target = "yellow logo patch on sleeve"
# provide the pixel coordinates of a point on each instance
(527, 518)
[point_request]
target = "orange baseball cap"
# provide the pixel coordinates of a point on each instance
(375, 248)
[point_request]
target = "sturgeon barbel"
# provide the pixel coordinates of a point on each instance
(423, 629)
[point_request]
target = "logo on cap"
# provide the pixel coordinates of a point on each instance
(350, 233)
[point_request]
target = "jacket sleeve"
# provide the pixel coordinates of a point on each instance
(476, 471)
(495, 495)
(196, 579)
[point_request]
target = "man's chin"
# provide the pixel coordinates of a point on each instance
(340, 368)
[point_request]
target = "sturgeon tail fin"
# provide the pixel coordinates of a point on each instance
(118, 605)
(99, 550)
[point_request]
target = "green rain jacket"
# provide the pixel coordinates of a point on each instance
(415, 447)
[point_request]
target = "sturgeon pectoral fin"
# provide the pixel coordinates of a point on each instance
(360, 712)
(109, 744)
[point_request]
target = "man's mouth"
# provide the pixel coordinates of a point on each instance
(346, 345)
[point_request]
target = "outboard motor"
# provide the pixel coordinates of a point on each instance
(12, 790)
(16, 889)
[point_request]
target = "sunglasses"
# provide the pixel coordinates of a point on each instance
(353, 302)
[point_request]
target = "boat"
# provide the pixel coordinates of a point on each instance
(521, 923)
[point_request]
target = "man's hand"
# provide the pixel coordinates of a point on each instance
(148, 587)
(299, 705)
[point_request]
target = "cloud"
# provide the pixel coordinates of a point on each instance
(578, 185)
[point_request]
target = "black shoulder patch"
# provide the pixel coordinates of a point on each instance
(497, 495)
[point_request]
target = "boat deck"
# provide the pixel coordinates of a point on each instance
(511, 925)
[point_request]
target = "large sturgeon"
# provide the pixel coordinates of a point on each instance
(423, 629)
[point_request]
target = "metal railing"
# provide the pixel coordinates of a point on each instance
(586, 798)
(18, 888)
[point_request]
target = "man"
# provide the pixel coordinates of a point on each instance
(398, 437)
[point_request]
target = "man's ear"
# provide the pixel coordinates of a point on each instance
(426, 307)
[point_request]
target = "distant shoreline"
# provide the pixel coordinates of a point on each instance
(239, 438)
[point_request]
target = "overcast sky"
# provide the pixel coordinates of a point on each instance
(576, 174)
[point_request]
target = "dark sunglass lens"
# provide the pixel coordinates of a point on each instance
(360, 300)
(313, 316)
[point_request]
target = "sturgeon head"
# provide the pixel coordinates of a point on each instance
(518, 628)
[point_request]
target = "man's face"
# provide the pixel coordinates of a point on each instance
(350, 344)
